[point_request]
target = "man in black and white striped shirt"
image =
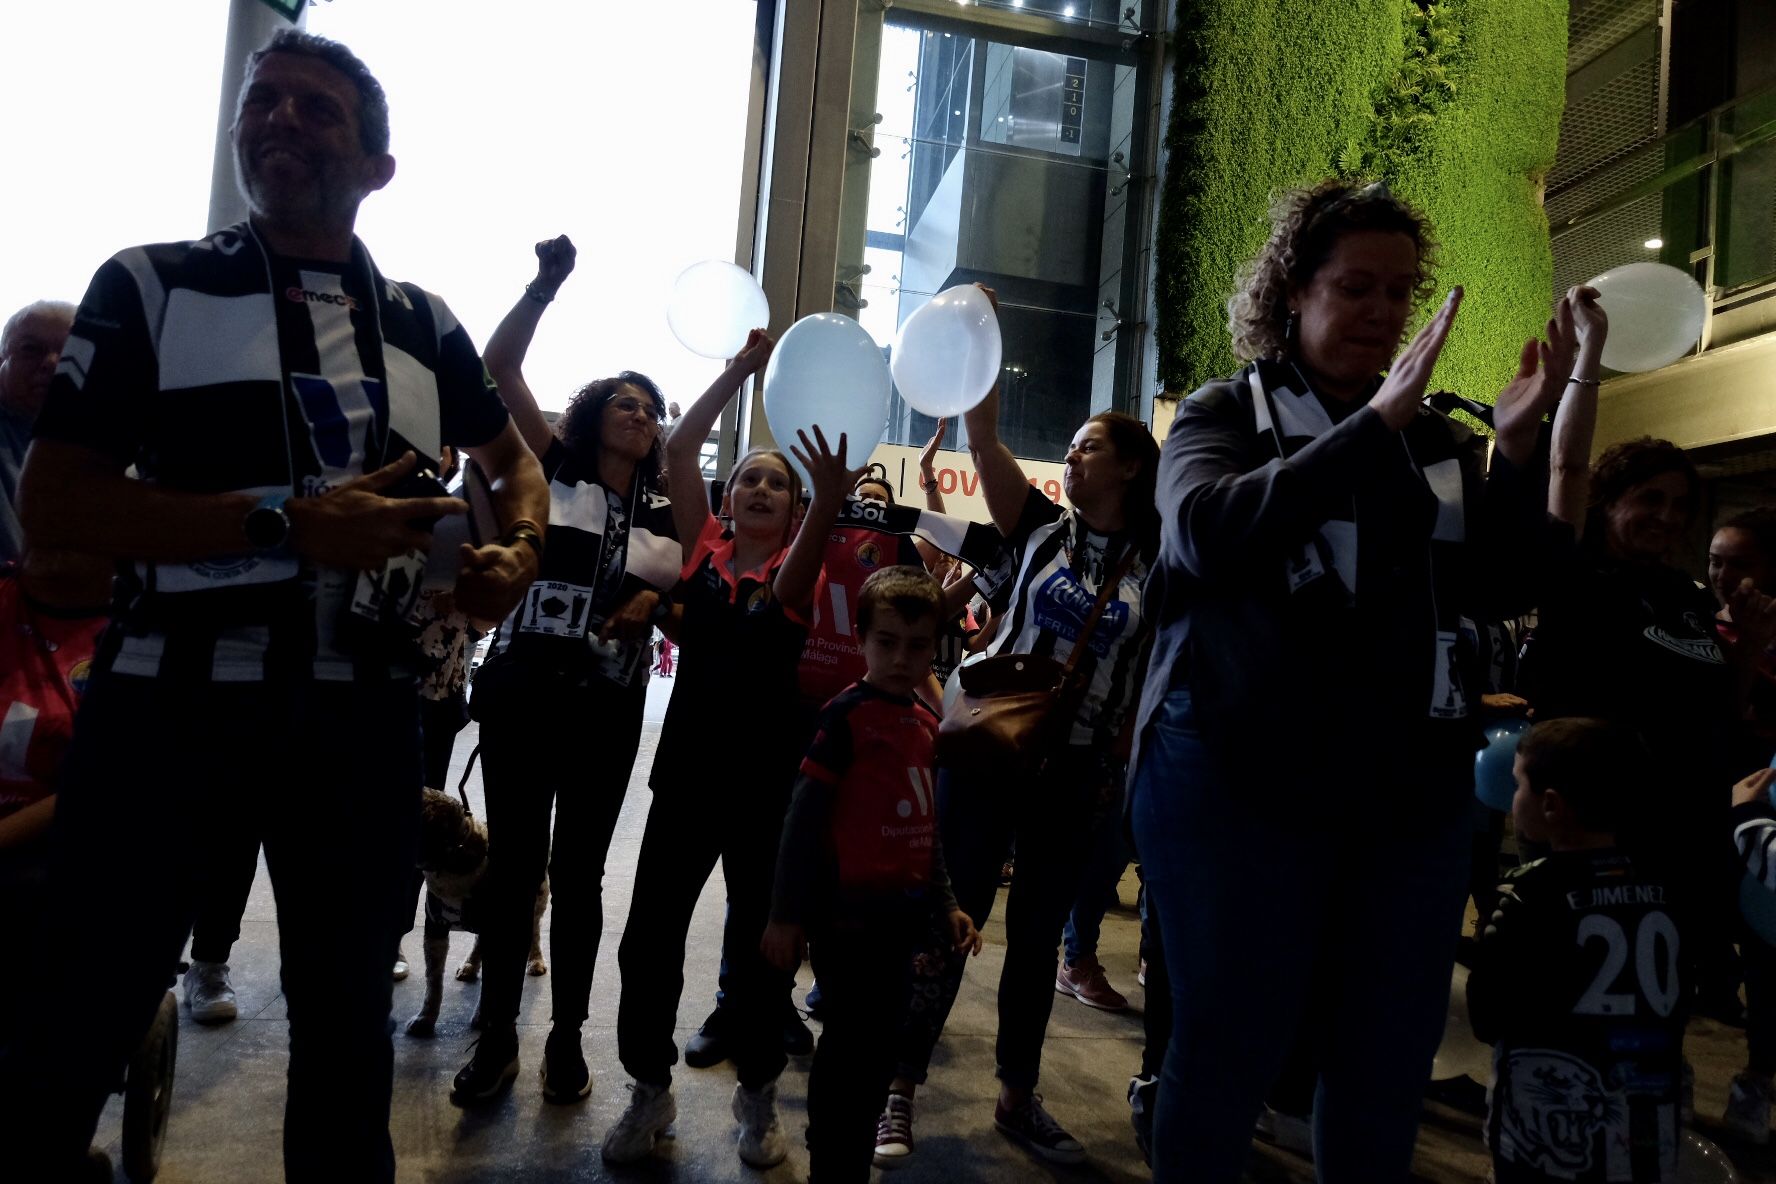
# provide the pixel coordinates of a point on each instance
(275, 395)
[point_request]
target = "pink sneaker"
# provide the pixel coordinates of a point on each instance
(1085, 981)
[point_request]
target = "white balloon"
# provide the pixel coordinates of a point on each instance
(713, 306)
(1461, 1054)
(946, 356)
(1655, 315)
(827, 370)
(1699, 1161)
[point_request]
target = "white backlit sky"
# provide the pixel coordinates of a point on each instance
(622, 125)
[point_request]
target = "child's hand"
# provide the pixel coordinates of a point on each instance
(928, 457)
(1755, 788)
(968, 938)
(831, 479)
(783, 945)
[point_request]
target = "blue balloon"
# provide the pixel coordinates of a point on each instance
(1494, 782)
(827, 370)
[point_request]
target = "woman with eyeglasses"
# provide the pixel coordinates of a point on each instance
(1301, 786)
(573, 657)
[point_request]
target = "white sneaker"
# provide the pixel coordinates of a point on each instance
(209, 994)
(1748, 1108)
(651, 1110)
(1291, 1132)
(894, 1132)
(400, 964)
(762, 1144)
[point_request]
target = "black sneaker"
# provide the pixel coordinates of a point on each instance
(710, 1044)
(566, 1077)
(1036, 1128)
(798, 1039)
(489, 1073)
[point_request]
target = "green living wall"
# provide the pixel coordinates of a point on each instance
(1456, 105)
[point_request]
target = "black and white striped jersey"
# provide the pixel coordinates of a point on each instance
(213, 366)
(604, 547)
(1061, 566)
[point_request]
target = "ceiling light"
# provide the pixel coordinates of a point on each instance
(1653, 244)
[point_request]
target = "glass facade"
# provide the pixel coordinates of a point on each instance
(986, 159)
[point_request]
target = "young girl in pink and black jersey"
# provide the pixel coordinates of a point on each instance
(745, 595)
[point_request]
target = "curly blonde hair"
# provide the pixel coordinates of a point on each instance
(1305, 224)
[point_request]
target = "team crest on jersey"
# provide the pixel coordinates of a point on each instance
(1551, 1107)
(869, 555)
(759, 600)
(226, 568)
(77, 676)
(1701, 647)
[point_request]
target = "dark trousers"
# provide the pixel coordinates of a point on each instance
(24, 931)
(863, 967)
(808, 718)
(1760, 1004)
(534, 763)
(439, 722)
(1271, 928)
(737, 819)
(786, 982)
(1052, 819)
(230, 867)
(154, 781)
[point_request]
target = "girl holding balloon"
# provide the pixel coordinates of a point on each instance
(1063, 558)
(746, 591)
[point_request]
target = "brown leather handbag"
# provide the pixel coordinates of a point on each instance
(1012, 707)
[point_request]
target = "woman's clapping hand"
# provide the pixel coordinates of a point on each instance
(1398, 399)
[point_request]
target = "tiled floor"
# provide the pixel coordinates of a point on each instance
(226, 1124)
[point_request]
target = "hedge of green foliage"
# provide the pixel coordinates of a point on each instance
(1266, 94)
(1456, 105)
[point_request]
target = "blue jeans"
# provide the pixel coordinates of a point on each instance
(1345, 932)
(1105, 863)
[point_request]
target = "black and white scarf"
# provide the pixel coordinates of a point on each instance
(1290, 417)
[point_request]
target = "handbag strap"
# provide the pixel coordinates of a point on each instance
(1091, 621)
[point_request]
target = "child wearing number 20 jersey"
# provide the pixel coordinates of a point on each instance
(1577, 978)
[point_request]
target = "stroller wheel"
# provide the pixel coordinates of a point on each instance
(148, 1094)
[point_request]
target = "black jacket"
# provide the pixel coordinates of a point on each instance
(1287, 689)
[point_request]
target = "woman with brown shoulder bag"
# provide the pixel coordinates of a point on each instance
(1029, 748)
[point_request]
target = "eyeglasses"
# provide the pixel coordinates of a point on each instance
(630, 405)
